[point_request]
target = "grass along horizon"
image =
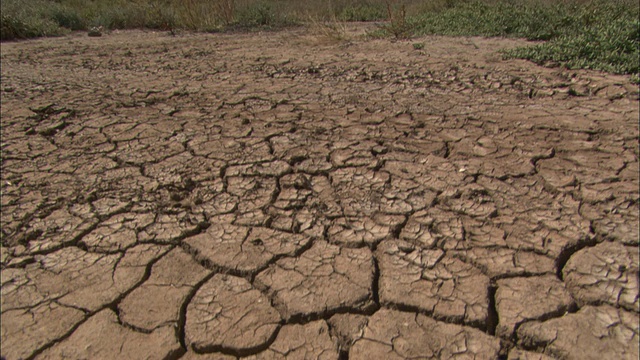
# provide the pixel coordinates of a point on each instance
(577, 34)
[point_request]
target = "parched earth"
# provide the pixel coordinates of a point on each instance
(278, 195)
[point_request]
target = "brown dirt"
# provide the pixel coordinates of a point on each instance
(282, 195)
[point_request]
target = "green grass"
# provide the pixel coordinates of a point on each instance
(594, 34)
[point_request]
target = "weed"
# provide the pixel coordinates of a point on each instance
(598, 34)
(397, 24)
(160, 16)
(67, 17)
(260, 14)
(125, 15)
(201, 15)
(573, 92)
(25, 20)
(363, 12)
(226, 10)
(332, 30)
(16, 27)
(600, 37)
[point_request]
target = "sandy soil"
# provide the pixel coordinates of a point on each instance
(282, 195)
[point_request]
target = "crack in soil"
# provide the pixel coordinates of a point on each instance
(469, 166)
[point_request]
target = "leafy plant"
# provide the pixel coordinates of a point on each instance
(599, 34)
(608, 39)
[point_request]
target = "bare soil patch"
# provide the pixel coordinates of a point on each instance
(283, 195)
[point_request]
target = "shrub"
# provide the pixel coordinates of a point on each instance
(67, 17)
(259, 14)
(362, 13)
(264, 14)
(26, 20)
(122, 15)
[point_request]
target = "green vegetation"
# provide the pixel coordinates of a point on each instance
(26, 20)
(602, 38)
(600, 34)
(362, 12)
(595, 34)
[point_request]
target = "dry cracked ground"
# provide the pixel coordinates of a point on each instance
(275, 195)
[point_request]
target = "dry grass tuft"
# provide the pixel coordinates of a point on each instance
(330, 31)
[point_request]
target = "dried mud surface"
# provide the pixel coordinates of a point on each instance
(276, 195)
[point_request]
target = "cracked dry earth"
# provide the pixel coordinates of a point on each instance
(271, 195)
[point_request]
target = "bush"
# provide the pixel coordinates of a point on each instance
(122, 15)
(362, 13)
(264, 14)
(259, 14)
(26, 20)
(67, 17)
(12, 27)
